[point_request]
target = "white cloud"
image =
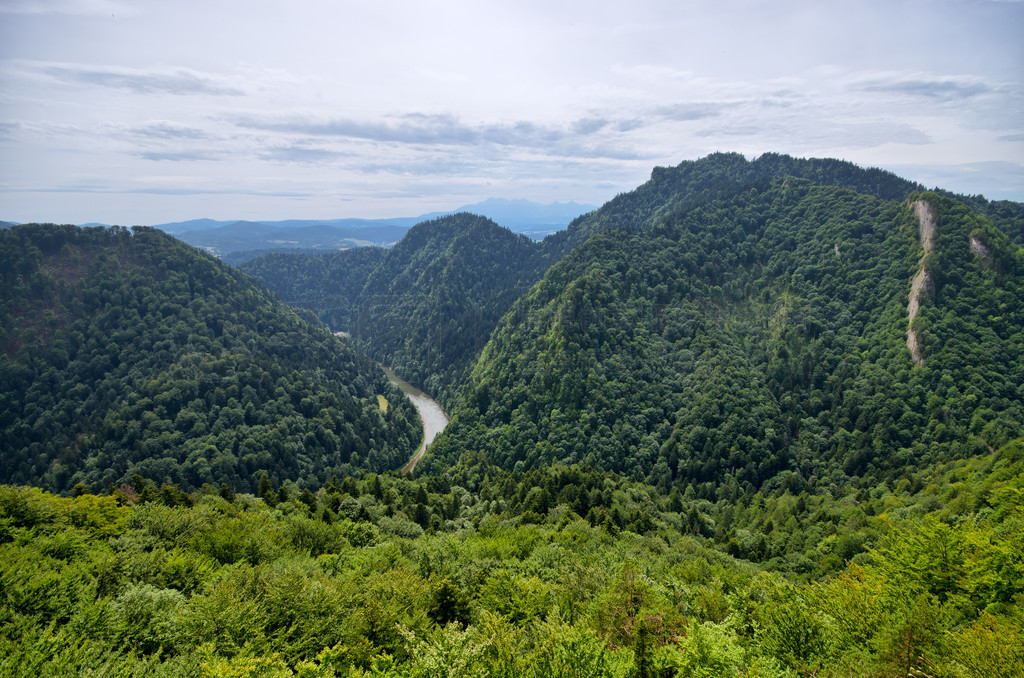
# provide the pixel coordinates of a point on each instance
(72, 7)
(370, 108)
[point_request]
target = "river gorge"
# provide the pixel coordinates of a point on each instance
(431, 413)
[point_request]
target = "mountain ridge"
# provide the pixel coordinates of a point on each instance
(128, 352)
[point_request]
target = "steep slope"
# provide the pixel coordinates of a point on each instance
(128, 352)
(760, 332)
(717, 176)
(922, 283)
(426, 306)
(327, 284)
(431, 304)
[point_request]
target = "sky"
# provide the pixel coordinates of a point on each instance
(155, 111)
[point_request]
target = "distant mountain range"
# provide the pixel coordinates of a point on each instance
(239, 240)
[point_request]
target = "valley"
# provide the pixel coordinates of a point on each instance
(754, 417)
(431, 413)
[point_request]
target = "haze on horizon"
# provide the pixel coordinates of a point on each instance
(147, 112)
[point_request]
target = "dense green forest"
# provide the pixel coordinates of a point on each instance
(719, 176)
(328, 284)
(127, 352)
(347, 582)
(427, 306)
(755, 335)
(690, 437)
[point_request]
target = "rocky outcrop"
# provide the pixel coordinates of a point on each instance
(978, 248)
(922, 283)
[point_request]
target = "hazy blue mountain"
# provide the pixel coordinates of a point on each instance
(249, 236)
(524, 216)
(230, 238)
(191, 225)
(178, 227)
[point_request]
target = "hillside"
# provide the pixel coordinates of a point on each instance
(326, 283)
(128, 352)
(424, 307)
(430, 305)
(716, 177)
(754, 418)
(756, 334)
(347, 582)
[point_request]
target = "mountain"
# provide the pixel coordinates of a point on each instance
(179, 227)
(326, 283)
(232, 238)
(429, 306)
(252, 236)
(129, 352)
(753, 418)
(524, 216)
(517, 213)
(757, 330)
(425, 306)
(727, 322)
(719, 175)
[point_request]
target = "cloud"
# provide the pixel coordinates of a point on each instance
(421, 129)
(940, 89)
(301, 154)
(685, 112)
(166, 129)
(72, 7)
(994, 179)
(731, 131)
(853, 134)
(177, 80)
(7, 130)
(110, 189)
(176, 156)
(412, 128)
(589, 125)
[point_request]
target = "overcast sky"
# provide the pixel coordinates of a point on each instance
(156, 111)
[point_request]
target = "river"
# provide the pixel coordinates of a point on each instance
(431, 413)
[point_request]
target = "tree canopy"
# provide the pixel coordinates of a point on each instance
(127, 352)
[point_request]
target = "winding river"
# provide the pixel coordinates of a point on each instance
(431, 413)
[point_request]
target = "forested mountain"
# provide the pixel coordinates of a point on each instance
(754, 334)
(326, 283)
(1006, 215)
(756, 418)
(718, 176)
(431, 304)
(128, 352)
(424, 307)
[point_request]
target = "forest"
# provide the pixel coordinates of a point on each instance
(457, 574)
(689, 438)
(129, 353)
(427, 306)
(757, 335)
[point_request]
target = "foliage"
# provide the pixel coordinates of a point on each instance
(758, 339)
(127, 353)
(488, 594)
(697, 446)
(426, 306)
(326, 283)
